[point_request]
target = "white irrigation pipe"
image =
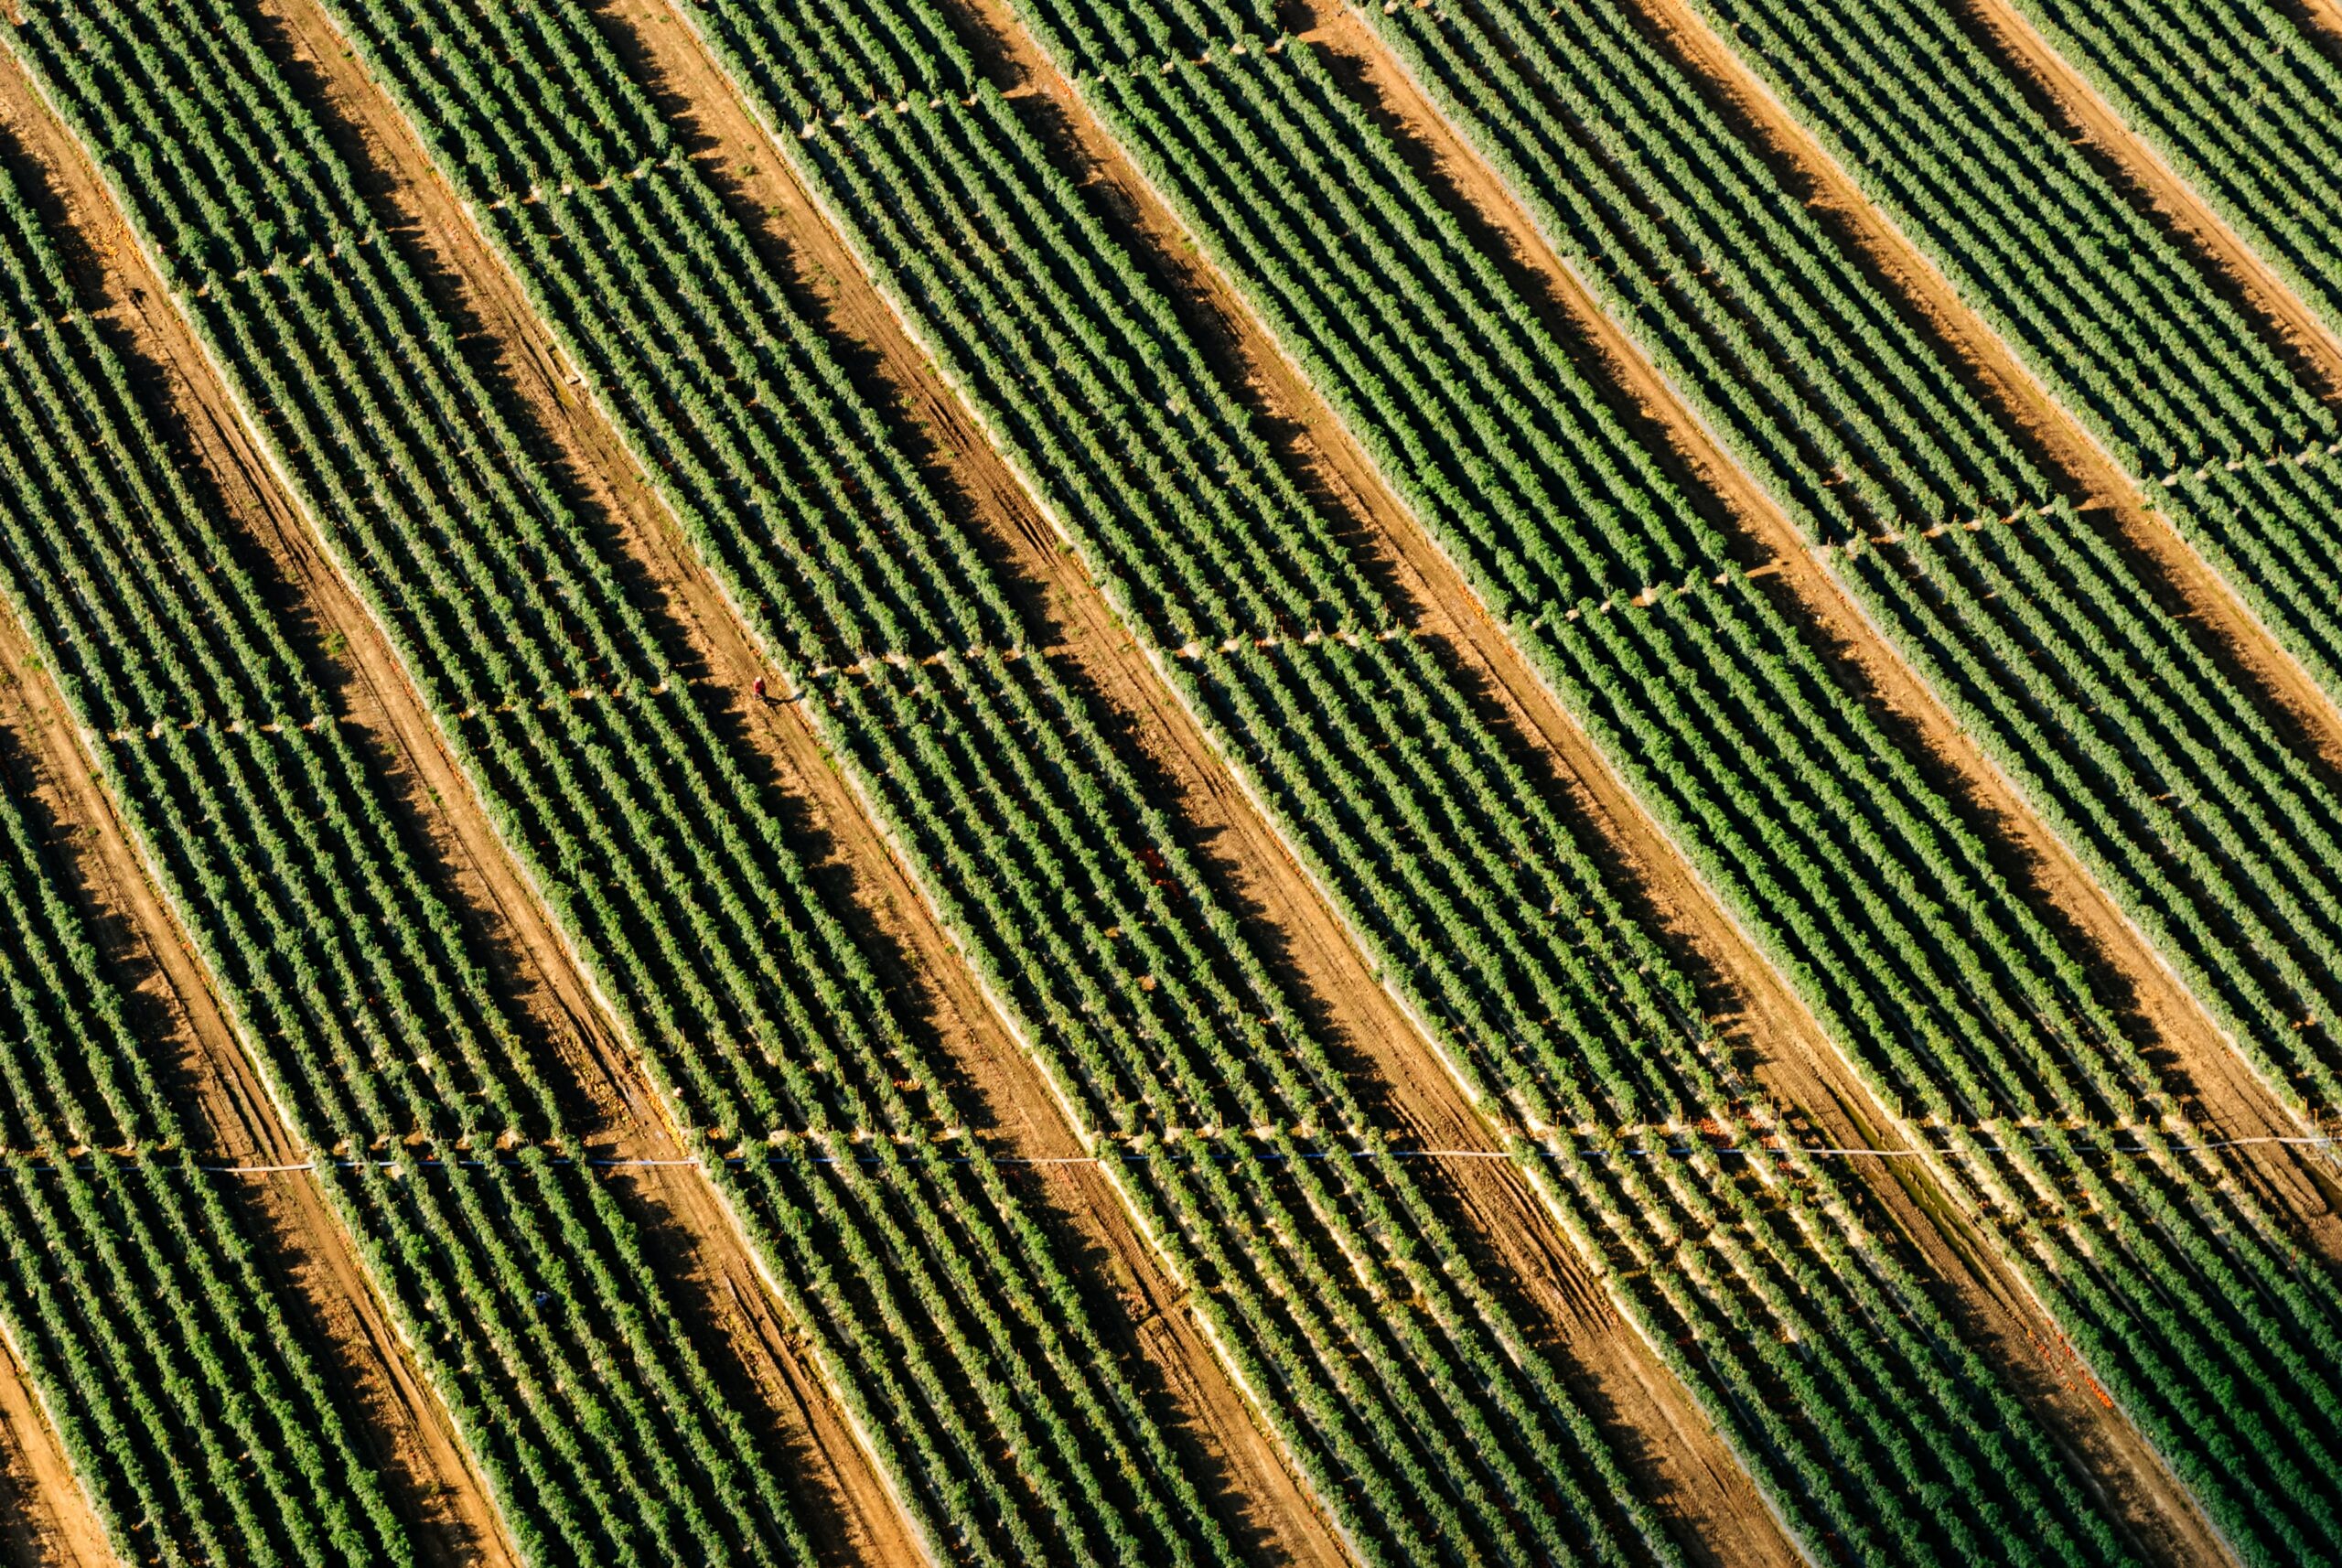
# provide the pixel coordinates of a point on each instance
(1685, 1151)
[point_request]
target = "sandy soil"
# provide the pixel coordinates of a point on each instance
(2323, 20)
(1796, 1061)
(2173, 197)
(605, 1091)
(604, 1088)
(45, 1521)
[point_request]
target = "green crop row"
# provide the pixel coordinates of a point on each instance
(1050, 846)
(1870, 888)
(522, 1288)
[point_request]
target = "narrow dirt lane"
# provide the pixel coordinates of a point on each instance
(1526, 1256)
(602, 1088)
(45, 1521)
(2303, 711)
(1800, 1065)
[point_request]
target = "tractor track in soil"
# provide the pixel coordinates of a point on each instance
(302, 1246)
(301, 1241)
(1801, 1067)
(1526, 1256)
(45, 1521)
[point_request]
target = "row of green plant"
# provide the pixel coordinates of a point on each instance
(2223, 91)
(2134, 333)
(199, 1421)
(524, 1291)
(1017, 1430)
(1459, 875)
(2151, 760)
(1867, 883)
(1413, 1399)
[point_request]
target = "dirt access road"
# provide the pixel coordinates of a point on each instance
(1690, 1469)
(2012, 35)
(715, 1281)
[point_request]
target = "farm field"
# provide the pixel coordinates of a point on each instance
(1170, 781)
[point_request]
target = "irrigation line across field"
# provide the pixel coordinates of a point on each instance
(1682, 1150)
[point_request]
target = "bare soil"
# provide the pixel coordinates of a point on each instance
(1797, 1062)
(45, 1521)
(605, 1091)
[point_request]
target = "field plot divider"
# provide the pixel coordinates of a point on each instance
(2260, 277)
(518, 866)
(78, 1502)
(149, 863)
(1760, 951)
(2325, 714)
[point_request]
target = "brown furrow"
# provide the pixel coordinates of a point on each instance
(45, 1521)
(1673, 1442)
(1251, 858)
(303, 1242)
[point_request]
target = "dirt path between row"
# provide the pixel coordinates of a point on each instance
(1798, 1065)
(2306, 715)
(603, 1088)
(1536, 1263)
(1009, 1099)
(2229, 1095)
(45, 1521)
(2173, 197)
(2323, 20)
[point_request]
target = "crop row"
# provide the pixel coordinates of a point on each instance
(1870, 888)
(1414, 1399)
(2236, 96)
(948, 1317)
(2127, 329)
(524, 1291)
(1377, 767)
(199, 1419)
(2153, 762)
